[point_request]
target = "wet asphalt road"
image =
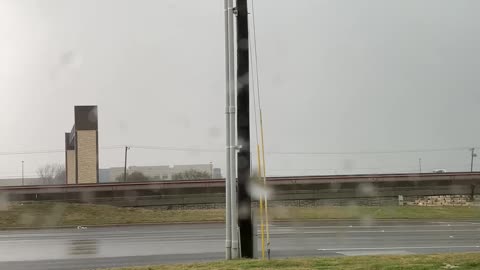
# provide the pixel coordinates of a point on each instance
(92, 248)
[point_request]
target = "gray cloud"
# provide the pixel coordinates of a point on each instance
(335, 76)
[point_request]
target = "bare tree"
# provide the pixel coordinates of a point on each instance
(52, 174)
(135, 176)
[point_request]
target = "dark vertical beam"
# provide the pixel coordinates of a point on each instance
(76, 153)
(98, 159)
(473, 155)
(98, 153)
(125, 167)
(243, 122)
(67, 143)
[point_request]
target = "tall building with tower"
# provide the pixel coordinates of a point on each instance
(81, 147)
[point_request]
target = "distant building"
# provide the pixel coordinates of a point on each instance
(157, 173)
(104, 175)
(26, 182)
(81, 147)
(217, 173)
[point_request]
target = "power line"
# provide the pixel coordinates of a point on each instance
(370, 152)
(165, 148)
(52, 151)
(256, 54)
(19, 177)
(254, 94)
(113, 147)
(31, 152)
(218, 150)
(181, 149)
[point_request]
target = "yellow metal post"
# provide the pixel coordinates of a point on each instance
(265, 184)
(261, 203)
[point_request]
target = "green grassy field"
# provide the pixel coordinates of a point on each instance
(63, 214)
(463, 261)
(382, 212)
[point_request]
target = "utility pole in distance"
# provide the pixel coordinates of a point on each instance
(23, 179)
(420, 164)
(473, 155)
(472, 186)
(125, 167)
(228, 147)
(243, 126)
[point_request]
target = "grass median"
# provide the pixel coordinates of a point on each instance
(461, 261)
(65, 214)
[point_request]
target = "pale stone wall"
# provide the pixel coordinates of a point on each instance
(87, 156)
(442, 200)
(71, 167)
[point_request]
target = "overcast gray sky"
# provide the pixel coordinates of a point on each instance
(336, 76)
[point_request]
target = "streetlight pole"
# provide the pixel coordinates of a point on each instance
(473, 155)
(231, 242)
(420, 164)
(23, 179)
(125, 167)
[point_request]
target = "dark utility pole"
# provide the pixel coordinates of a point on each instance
(23, 178)
(243, 125)
(473, 155)
(472, 186)
(125, 167)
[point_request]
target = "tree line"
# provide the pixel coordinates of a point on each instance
(137, 176)
(52, 174)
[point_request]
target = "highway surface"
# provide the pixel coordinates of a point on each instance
(90, 248)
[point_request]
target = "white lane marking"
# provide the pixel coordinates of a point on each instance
(382, 226)
(379, 231)
(3, 234)
(394, 248)
(60, 237)
(375, 252)
(166, 236)
(159, 240)
(455, 222)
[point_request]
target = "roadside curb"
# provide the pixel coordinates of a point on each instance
(86, 226)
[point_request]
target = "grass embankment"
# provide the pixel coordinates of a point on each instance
(66, 214)
(463, 261)
(63, 214)
(374, 212)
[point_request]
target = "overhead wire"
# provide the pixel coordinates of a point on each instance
(166, 148)
(50, 151)
(254, 94)
(369, 152)
(259, 165)
(215, 150)
(181, 149)
(261, 151)
(31, 152)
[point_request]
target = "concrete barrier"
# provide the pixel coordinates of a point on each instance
(301, 191)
